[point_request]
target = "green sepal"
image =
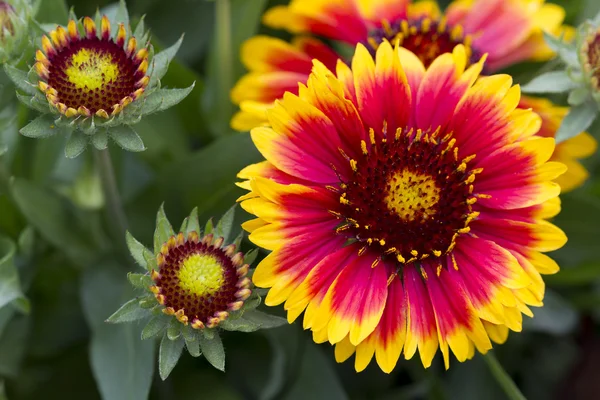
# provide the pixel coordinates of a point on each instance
(190, 223)
(76, 144)
(213, 351)
(209, 333)
(238, 240)
(140, 281)
(19, 79)
(163, 231)
(161, 62)
(174, 329)
(148, 302)
(209, 227)
(189, 334)
(251, 321)
(251, 302)
(140, 30)
(578, 96)
(225, 224)
(150, 259)
(577, 120)
(250, 256)
(137, 250)
(34, 102)
(168, 355)
(162, 99)
(128, 312)
(100, 140)
(550, 82)
(155, 326)
(41, 127)
(193, 347)
(126, 138)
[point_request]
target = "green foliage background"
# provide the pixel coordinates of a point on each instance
(55, 246)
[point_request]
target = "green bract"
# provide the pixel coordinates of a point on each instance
(580, 78)
(93, 79)
(193, 284)
(14, 29)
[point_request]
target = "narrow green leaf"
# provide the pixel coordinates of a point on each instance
(264, 320)
(550, 82)
(577, 120)
(239, 325)
(41, 127)
(191, 224)
(213, 351)
(137, 250)
(76, 144)
(19, 79)
(168, 355)
(193, 347)
(139, 29)
(140, 281)
(161, 62)
(225, 224)
(128, 312)
(163, 231)
(127, 138)
(155, 326)
(10, 287)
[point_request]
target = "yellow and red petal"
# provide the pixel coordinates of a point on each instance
(388, 10)
(333, 19)
(391, 331)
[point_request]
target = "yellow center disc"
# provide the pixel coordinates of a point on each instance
(412, 196)
(201, 274)
(91, 70)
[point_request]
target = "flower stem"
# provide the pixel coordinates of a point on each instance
(224, 53)
(502, 377)
(114, 205)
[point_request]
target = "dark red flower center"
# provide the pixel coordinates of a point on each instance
(410, 196)
(198, 278)
(93, 73)
(426, 38)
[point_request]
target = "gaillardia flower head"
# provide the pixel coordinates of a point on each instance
(93, 79)
(14, 29)
(194, 284)
(404, 207)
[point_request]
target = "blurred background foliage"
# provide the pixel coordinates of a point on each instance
(62, 275)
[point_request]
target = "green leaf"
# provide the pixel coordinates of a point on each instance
(264, 320)
(19, 79)
(577, 120)
(208, 228)
(162, 99)
(128, 312)
(239, 324)
(122, 364)
(578, 96)
(127, 138)
(13, 345)
(162, 60)
(225, 224)
(53, 218)
(163, 231)
(189, 334)
(168, 355)
(41, 127)
(155, 326)
(140, 29)
(213, 351)
(10, 286)
(138, 251)
(550, 82)
(140, 281)
(191, 224)
(76, 144)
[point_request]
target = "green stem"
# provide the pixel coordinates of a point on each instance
(502, 377)
(224, 54)
(114, 205)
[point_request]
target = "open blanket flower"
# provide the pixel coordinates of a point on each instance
(508, 31)
(405, 207)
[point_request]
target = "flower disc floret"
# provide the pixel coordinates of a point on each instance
(199, 281)
(91, 74)
(590, 56)
(6, 14)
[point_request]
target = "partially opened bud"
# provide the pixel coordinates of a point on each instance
(14, 29)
